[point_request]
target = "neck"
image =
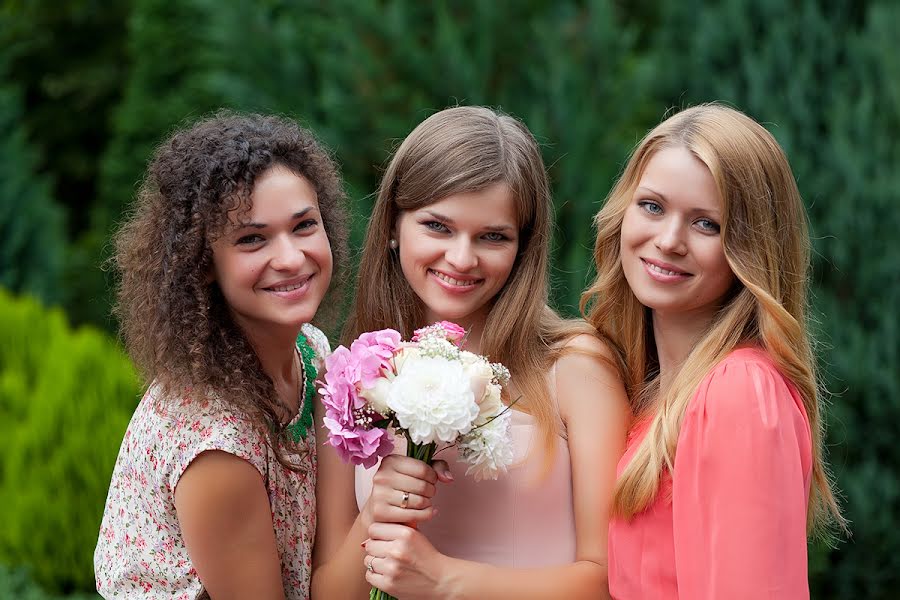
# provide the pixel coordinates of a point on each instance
(276, 350)
(676, 336)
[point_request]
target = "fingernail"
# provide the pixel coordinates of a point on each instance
(449, 475)
(363, 545)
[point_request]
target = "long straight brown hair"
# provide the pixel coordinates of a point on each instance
(766, 244)
(454, 151)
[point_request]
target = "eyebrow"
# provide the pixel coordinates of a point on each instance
(446, 219)
(252, 225)
(664, 199)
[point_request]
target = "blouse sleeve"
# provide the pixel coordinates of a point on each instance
(740, 486)
(318, 341)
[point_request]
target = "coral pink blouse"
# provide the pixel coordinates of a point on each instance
(730, 519)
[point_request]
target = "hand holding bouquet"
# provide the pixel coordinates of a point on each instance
(428, 390)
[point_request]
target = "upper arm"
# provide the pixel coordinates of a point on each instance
(594, 407)
(225, 518)
(740, 487)
(336, 508)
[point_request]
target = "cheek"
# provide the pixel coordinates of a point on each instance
(630, 233)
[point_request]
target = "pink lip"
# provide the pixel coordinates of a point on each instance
(663, 277)
(454, 289)
(295, 294)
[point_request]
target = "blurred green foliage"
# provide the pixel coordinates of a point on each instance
(106, 82)
(17, 584)
(66, 397)
(32, 238)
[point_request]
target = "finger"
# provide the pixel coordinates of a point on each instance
(442, 470)
(395, 514)
(409, 466)
(413, 501)
(379, 548)
(389, 532)
(384, 483)
(377, 580)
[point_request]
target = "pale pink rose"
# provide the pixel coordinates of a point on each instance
(445, 329)
(454, 332)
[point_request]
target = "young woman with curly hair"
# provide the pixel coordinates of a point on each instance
(237, 234)
(702, 258)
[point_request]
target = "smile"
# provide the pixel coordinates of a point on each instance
(662, 273)
(286, 287)
(452, 281)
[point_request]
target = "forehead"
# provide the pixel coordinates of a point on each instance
(679, 176)
(276, 192)
(493, 205)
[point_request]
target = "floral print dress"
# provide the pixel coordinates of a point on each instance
(140, 552)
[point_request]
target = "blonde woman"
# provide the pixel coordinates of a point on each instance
(460, 231)
(702, 257)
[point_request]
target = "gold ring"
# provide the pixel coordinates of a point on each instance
(405, 502)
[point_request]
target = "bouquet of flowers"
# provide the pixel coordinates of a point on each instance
(429, 390)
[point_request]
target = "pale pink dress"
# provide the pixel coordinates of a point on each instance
(730, 521)
(523, 519)
(141, 551)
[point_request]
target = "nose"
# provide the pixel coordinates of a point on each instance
(287, 253)
(670, 238)
(461, 256)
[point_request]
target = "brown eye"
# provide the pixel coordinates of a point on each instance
(253, 238)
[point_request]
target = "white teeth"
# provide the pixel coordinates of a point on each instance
(661, 270)
(287, 288)
(452, 281)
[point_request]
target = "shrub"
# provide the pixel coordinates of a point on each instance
(65, 400)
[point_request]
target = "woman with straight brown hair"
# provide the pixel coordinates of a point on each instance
(461, 231)
(702, 258)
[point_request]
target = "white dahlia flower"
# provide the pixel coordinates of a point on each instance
(432, 399)
(488, 448)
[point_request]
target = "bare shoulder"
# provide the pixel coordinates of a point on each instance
(587, 378)
(218, 482)
(589, 345)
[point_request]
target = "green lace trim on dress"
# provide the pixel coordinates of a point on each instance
(298, 430)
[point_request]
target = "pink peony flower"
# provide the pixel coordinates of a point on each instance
(357, 445)
(373, 352)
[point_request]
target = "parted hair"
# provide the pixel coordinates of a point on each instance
(461, 150)
(175, 322)
(766, 243)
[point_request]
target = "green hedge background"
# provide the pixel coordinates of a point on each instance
(88, 88)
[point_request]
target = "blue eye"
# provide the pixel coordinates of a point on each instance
(436, 226)
(493, 236)
(651, 207)
(707, 226)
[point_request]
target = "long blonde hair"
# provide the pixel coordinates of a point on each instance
(766, 243)
(454, 151)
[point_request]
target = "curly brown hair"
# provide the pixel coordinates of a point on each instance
(174, 320)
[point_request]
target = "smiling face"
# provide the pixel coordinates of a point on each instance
(671, 246)
(457, 253)
(273, 263)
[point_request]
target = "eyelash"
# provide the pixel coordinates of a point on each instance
(438, 227)
(653, 208)
(255, 238)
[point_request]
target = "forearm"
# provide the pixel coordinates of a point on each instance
(343, 575)
(465, 580)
